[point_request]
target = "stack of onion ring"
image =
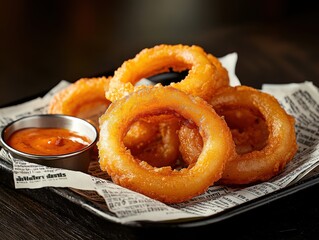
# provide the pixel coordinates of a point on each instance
(171, 143)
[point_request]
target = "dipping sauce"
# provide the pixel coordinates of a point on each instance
(47, 141)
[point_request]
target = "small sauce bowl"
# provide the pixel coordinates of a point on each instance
(78, 160)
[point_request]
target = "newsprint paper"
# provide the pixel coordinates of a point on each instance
(124, 206)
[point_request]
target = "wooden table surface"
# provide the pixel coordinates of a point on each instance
(45, 43)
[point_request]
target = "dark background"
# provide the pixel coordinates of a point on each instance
(43, 42)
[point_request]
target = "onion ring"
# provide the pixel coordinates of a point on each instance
(281, 146)
(163, 184)
(84, 98)
(200, 81)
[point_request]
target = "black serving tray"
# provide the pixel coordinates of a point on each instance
(62, 198)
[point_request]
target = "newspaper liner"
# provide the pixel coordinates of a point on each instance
(125, 206)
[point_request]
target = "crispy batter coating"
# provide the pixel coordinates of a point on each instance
(203, 78)
(84, 98)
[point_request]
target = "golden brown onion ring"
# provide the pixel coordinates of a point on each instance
(84, 98)
(164, 184)
(281, 146)
(200, 81)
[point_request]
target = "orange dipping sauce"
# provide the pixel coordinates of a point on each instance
(47, 141)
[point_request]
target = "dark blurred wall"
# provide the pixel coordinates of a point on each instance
(43, 42)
